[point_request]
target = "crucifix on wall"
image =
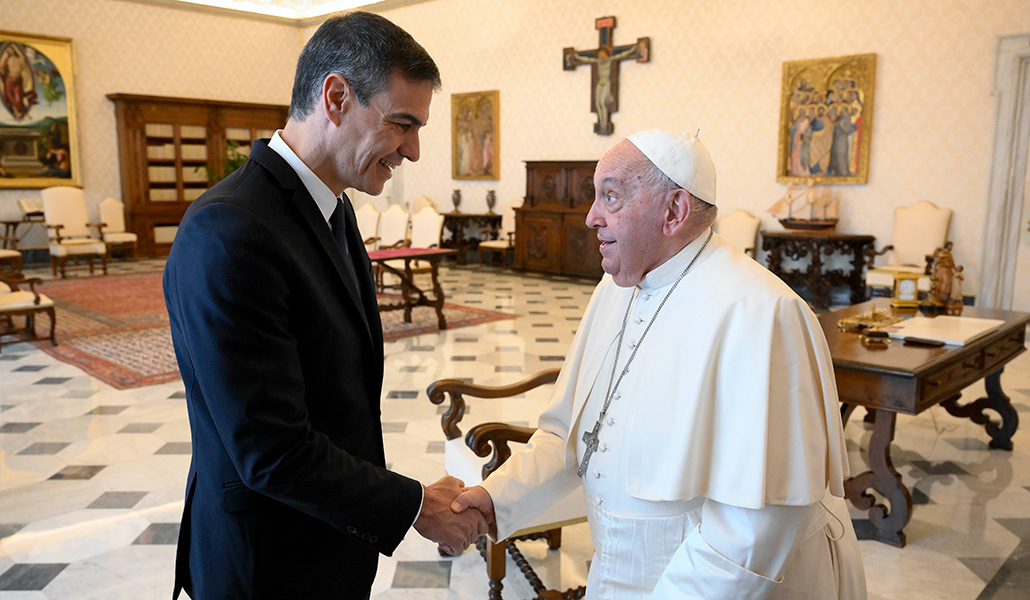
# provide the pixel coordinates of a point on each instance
(604, 70)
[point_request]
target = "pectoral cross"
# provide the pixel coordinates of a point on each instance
(604, 70)
(590, 439)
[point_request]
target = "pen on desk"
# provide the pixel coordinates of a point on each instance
(923, 342)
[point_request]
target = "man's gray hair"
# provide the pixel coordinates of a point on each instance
(363, 48)
(702, 214)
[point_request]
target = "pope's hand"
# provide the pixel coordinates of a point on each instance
(477, 498)
(439, 523)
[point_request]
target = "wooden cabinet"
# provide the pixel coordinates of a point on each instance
(551, 232)
(164, 145)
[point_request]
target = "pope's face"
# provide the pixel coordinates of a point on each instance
(627, 215)
(377, 138)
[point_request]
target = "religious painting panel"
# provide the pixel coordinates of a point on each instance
(476, 135)
(38, 137)
(826, 120)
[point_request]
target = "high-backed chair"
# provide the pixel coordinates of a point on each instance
(464, 458)
(393, 227)
(18, 302)
(422, 202)
(505, 242)
(919, 230)
(368, 225)
(112, 218)
(426, 228)
(739, 228)
(64, 209)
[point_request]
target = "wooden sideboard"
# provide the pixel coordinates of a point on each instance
(164, 145)
(551, 235)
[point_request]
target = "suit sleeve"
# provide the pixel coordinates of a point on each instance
(229, 304)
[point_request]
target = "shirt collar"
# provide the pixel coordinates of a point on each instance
(667, 272)
(325, 199)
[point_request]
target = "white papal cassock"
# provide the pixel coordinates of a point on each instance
(721, 461)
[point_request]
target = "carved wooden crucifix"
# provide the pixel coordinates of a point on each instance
(604, 70)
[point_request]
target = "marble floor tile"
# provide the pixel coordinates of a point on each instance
(106, 527)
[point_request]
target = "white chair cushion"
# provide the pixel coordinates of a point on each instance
(119, 238)
(494, 244)
(4, 253)
(884, 276)
(4, 288)
(21, 300)
(461, 462)
(77, 246)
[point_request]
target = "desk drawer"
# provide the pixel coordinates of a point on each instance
(945, 382)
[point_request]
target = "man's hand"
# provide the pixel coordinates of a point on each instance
(477, 498)
(453, 531)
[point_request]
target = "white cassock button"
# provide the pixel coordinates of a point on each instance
(632, 344)
(611, 422)
(603, 448)
(598, 474)
(618, 396)
(600, 501)
(638, 320)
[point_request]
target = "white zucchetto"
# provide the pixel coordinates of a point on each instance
(682, 157)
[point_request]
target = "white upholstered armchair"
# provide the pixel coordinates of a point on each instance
(64, 209)
(919, 230)
(739, 228)
(112, 218)
(505, 242)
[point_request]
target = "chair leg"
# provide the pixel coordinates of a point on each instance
(53, 264)
(53, 325)
(89, 261)
(103, 263)
(495, 566)
(554, 539)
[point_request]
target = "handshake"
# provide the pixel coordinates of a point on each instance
(453, 515)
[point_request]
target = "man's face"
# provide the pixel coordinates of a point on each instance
(378, 137)
(627, 215)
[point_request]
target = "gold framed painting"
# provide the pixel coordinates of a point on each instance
(38, 135)
(826, 120)
(476, 135)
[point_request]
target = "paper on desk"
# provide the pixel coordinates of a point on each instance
(952, 330)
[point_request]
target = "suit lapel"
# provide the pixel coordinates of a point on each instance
(313, 219)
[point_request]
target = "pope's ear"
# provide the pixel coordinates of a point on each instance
(677, 212)
(336, 97)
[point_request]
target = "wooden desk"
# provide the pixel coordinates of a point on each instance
(816, 280)
(411, 294)
(909, 379)
(460, 224)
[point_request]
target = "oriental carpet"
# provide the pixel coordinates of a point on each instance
(115, 328)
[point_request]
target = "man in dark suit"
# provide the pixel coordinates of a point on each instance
(277, 334)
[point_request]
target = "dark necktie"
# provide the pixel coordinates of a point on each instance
(340, 222)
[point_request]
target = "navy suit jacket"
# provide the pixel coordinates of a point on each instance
(288, 495)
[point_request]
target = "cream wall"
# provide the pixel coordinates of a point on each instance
(715, 66)
(146, 49)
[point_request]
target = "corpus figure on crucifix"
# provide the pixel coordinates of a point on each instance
(604, 61)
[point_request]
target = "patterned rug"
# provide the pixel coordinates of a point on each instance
(116, 328)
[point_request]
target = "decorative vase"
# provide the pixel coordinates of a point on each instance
(456, 199)
(491, 200)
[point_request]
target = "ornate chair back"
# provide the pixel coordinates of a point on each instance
(368, 225)
(740, 228)
(393, 227)
(422, 202)
(66, 206)
(426, 227)
(919, 230)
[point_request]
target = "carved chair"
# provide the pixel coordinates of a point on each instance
(368, 225)
(919, 231)
(112, 219)
(16, 302)
(426, 228)
(505, 244)
(64, 209)
(463, 458)
(740, 229)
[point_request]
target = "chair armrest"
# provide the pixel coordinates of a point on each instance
(870, 254)
(99, 228)
(400, 244)
(17, 281)
(57, 230)
(457, 389)
(511, 239)
(496, 435)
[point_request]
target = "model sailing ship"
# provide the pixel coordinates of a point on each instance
(807, 207)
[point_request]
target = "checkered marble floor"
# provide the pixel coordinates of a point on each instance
(91, 478)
